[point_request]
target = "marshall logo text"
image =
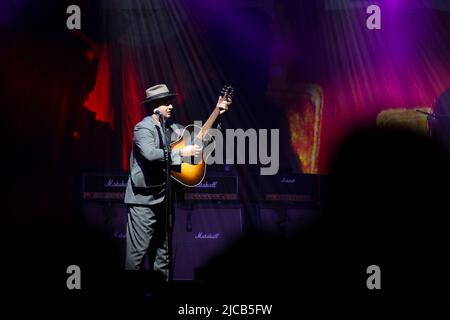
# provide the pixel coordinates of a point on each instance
(207, 236)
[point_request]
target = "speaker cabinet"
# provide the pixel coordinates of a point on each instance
(108, 220)
(201, 233)
(283, 220)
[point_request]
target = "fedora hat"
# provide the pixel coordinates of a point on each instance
(158, 92)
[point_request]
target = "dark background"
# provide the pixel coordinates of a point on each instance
(70, 100)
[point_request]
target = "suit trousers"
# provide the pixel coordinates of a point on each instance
(147, 234)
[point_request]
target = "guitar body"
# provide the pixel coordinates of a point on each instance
(192, 169)
(189, 173)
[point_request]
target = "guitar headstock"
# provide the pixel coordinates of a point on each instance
(227, 93)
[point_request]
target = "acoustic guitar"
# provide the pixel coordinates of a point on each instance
(192, 170)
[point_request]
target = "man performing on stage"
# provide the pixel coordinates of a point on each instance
(146, 189)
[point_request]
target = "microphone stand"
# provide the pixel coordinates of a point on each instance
(430, 116)
(168, 203)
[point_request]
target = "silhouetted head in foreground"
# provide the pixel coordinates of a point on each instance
(387, 206)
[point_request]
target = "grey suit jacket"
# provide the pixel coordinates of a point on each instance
(146, 183)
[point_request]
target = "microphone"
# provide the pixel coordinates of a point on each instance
(426, 113)
(156, 111)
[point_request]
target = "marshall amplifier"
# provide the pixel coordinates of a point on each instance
(103, 211)
(215, 186)
(108, 221)
(201, 233)
(285, 220)
(289, 188)
(104, 186)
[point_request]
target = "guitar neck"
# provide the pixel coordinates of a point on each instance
(208, 124)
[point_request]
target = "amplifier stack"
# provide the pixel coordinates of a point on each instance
(209, 217)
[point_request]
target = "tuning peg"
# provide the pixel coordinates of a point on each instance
(227, 92)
